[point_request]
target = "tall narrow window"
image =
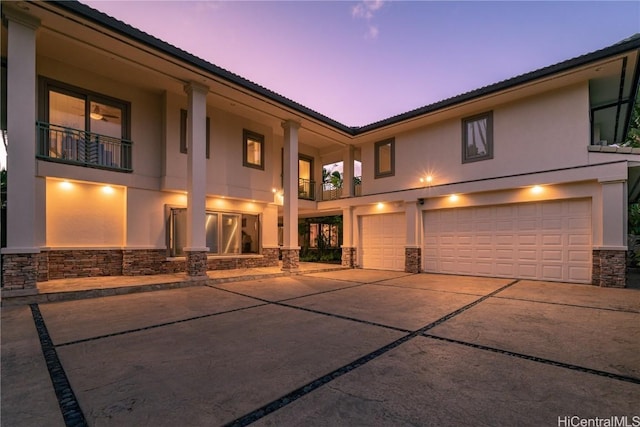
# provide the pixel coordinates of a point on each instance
(183, 133)
(253, 150)
(306, 184)
(477, 138)
(385, 158)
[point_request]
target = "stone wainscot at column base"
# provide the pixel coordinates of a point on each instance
(290, 259)
(412, 260)
(19, 273)
(349, 256)
(196, 264)
(609, 268)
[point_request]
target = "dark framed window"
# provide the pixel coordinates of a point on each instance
(385, 158)
(227, 233)
(83, 128)
(477, 138)
(183, 133)
(252, 149)
(71, 107)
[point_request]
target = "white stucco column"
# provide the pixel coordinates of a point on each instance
(347, 172)
(614, 214)
(21, 130)
(413, 248)
(20, 257)
(349, 250)
(609, 258)
(196, 247)
(290, 248)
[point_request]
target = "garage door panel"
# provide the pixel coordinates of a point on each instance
(537, 240)
(383, 239)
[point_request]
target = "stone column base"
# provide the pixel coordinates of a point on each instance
(271, 256)
(290, 259)
(412, 260)
(196, 263)
(19, 271)
(349, 257)
(609, 268)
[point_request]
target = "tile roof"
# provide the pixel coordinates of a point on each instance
(86, 12)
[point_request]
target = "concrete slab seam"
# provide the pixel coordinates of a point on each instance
(309, 310)
(566, 304)
(69, 406)
(423, 289)
(159, 325)
(319, 382)
(570, 366)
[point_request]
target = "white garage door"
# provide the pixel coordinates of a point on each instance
(542, 240)
(383, 240)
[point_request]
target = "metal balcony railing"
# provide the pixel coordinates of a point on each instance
(306, 189)
(78, 147)
(332, 192)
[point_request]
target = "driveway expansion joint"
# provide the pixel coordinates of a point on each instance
(319, 382)
(159, 325)
(570, 366)
(67, 401)
(566, 304)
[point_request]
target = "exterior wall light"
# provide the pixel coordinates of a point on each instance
(107, 189)
(380, 205)
(453, 198)
(66, 185)
(536, 189)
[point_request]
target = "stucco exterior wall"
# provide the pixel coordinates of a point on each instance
(538, 133)
(84, 215)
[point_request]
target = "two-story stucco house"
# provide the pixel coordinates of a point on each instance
(129, 156)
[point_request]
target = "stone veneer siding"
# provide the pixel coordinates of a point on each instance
(412, 260)
(66, 264)
(19, 271)
(72, 263)
(609, 268)
(290, 259)
(196, 263)
(141, 262)
(349, 257)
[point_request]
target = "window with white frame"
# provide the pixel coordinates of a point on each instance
(477, 138)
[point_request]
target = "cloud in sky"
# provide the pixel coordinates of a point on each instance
(366, 10)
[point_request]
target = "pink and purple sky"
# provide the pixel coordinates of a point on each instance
(360, 62)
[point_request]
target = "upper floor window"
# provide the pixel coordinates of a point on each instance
(385, 158)
(184, 135)
(252, 150)
(477, 138)
(83, 128)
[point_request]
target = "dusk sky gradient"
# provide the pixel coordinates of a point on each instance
(360, 62)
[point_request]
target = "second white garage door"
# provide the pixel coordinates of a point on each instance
(541, 240)
(383, 239)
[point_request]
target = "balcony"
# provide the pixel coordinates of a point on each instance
(306, 189)
(77, 147)
(331, 191)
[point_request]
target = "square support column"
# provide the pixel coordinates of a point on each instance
(290, 247)
(610, 258)
(413, 250)
(20, 257)
(196, 248)
(349, 252)
(347, 172)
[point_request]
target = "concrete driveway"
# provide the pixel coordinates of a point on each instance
(343, 348)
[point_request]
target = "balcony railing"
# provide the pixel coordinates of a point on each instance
(78, 147)
(306, 189)
(332, 192)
